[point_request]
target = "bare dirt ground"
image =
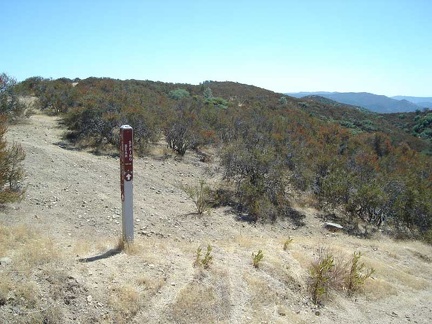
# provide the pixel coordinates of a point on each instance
(60, 263)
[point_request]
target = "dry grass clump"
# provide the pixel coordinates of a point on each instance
(206, 301)
(126, 301)
(132, 248)
(30, 253)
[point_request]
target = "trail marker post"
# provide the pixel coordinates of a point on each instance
(126, 182)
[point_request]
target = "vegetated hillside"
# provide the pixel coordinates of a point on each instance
(418, 124)
(373, 102)
(268, 145)
(403, 129)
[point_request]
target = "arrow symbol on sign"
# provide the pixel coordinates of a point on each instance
(128, 177)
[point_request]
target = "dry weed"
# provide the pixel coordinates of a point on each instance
(131, 248)
(126, 301)
(195, 303)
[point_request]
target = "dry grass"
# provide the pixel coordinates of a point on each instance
(31, 253)
(126, 301)
(153, 272)
(206, 300)
(131, 248)
(81, 247)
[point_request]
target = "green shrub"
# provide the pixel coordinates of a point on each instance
(287, 243)
(256, 258)
(199, 195)
(355, 278)
(205, 261)
(320, 277)
(178, 94)
(328, 272)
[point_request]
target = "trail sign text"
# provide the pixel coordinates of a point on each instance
(126, 177)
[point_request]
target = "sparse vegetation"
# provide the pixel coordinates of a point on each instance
(287, 243)
(257, 258)
(320, 280)
(355, 277)
(328, 272)
(127, 247)
(126, 301)
(199, 195)
(205, 261)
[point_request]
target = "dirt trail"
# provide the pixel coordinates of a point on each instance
(73, 198)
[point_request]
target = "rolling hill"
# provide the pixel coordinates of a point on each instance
(373, 102)
(425, 102)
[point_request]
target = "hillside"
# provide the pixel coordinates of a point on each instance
(357, 119)
(376, 103)
(263, 142)
(60, 262)
(424, 102)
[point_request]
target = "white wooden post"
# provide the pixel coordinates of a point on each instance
(126, 182)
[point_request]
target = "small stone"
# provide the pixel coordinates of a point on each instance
(89, 298)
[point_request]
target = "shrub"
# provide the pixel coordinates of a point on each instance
(320, 277)
(328, 272)
(205, 261)
(256, 258)
(178, 94)
(177, 138)
(355, 278)
(10, 105)
(257, 172)
(287, 243)
(199, 194)
(11, 170)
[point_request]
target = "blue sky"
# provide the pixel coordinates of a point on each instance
(378, 46)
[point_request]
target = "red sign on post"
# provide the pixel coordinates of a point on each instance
(126, 177)
(127, 152)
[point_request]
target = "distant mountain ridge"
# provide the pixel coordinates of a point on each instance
(373, 102)
(425, 102)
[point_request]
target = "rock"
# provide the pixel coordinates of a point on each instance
(5, 261)
(333, 227)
